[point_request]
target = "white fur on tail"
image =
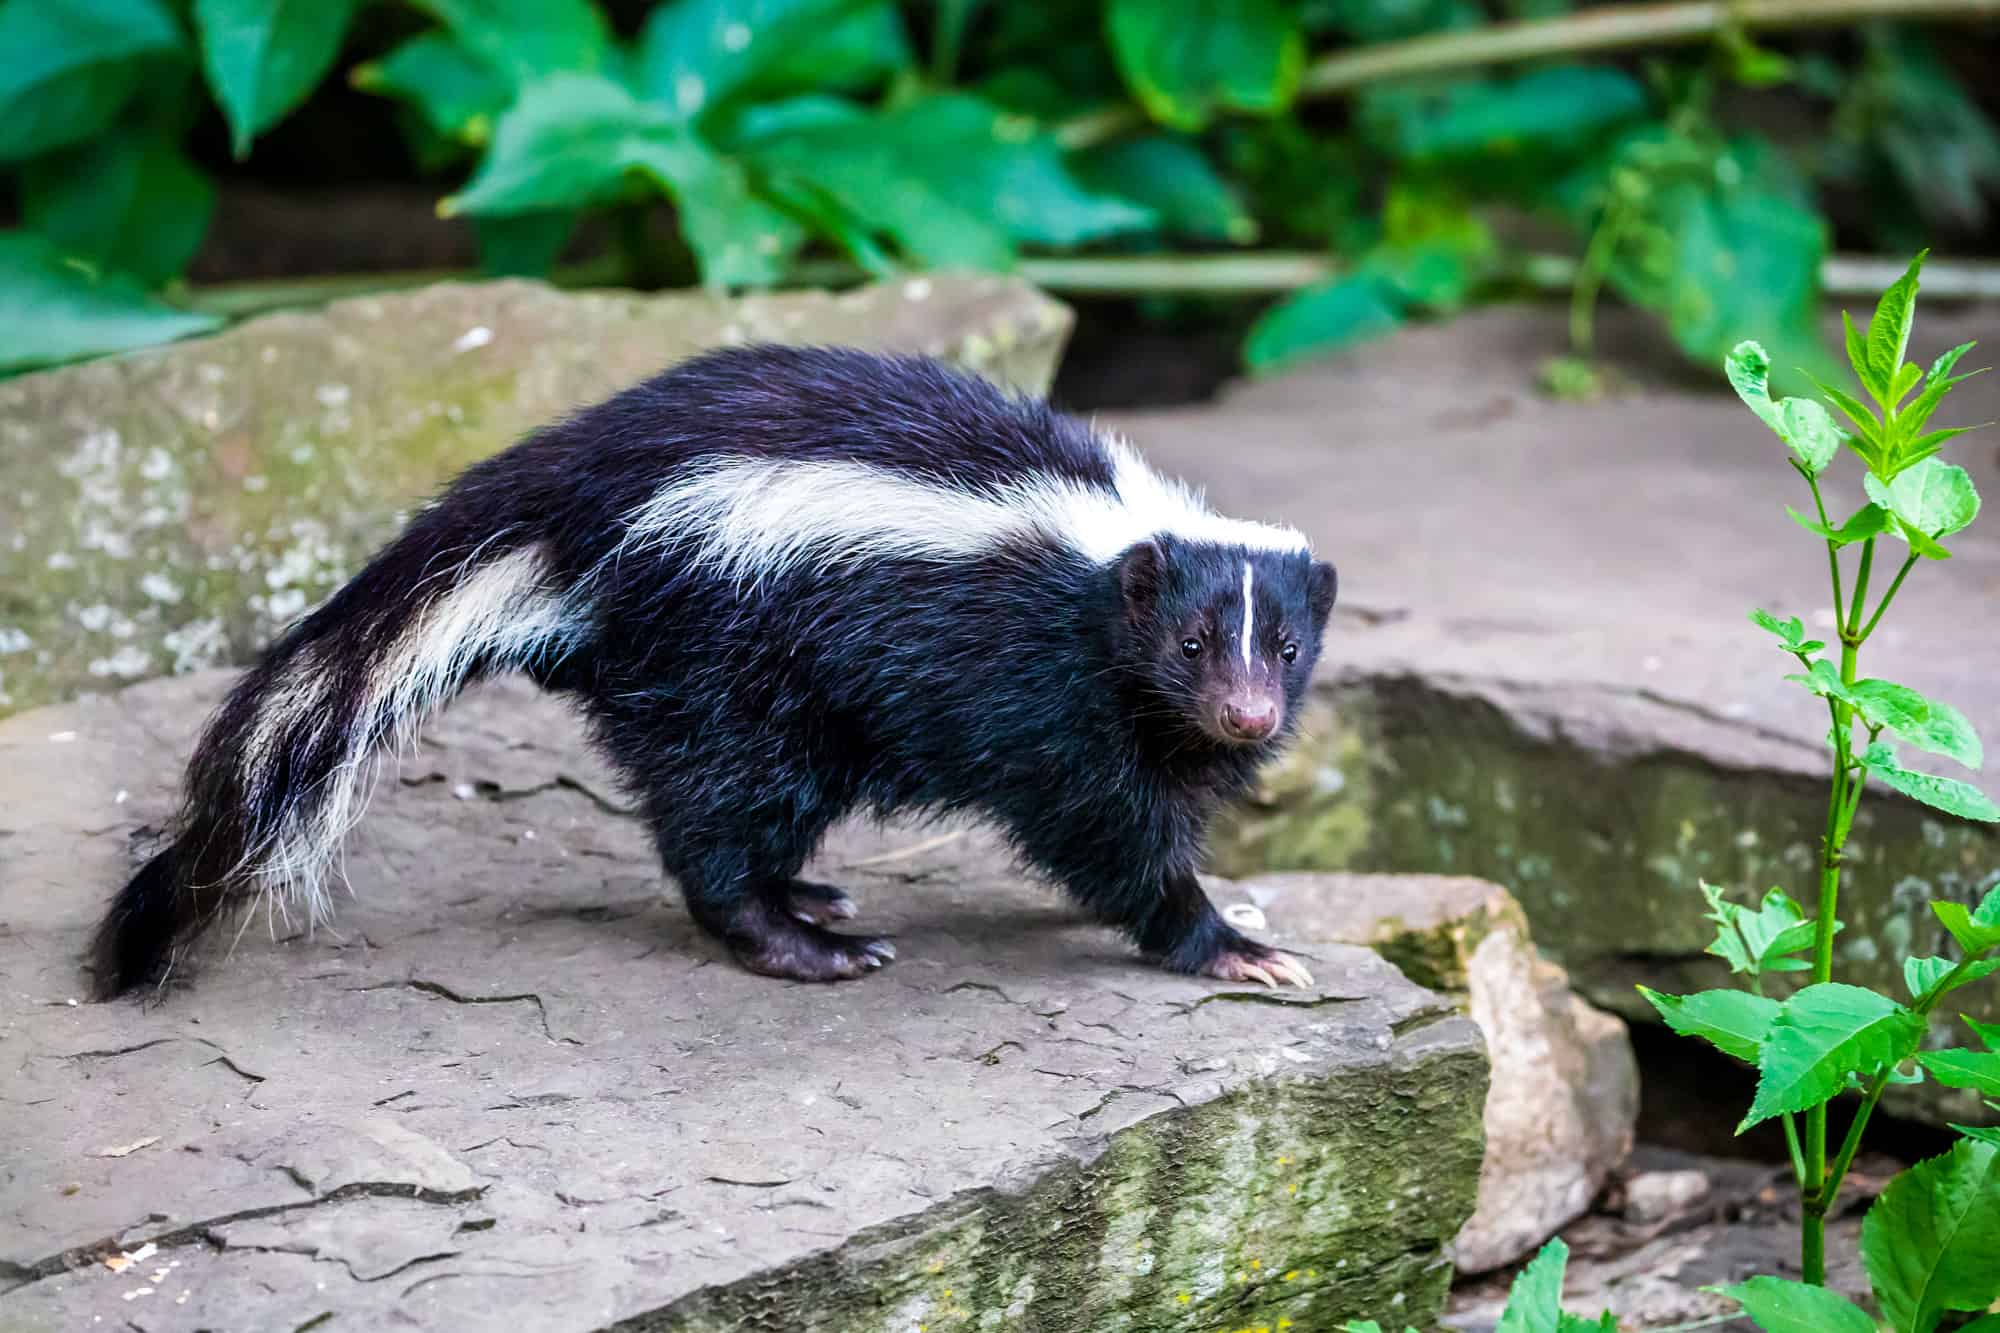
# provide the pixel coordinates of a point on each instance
(758, 518)
(504, 610)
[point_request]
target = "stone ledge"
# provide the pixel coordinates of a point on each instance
(516, 1089)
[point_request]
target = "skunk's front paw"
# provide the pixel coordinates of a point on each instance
(1250, 961)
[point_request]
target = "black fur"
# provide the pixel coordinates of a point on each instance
(1052, 695)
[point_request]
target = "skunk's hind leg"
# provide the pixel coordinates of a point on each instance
(738, 870)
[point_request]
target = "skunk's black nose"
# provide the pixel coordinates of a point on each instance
(1250, 717)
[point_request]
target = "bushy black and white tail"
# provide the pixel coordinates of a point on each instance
(285, 765)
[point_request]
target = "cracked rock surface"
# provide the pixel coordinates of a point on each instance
(512, 1088)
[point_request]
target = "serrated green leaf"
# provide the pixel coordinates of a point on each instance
(1889, 331)
(263, 56)
(1930, 500)
(572, 140)
(54, 309)
(1823, 679)
(1778, 1305)
(1943, 365)
(1791, 629)
(1946, 794)
(1930, 1239)
(129, 201)
(1321, 320)
(1905, 380)
(1976, 929)
(70, 67)
(1936, 727)
(1871, 520)
(1867, 425)
(1758, 939)
(459, 95)
(1820, 1037)
(1186, 60)
(1857, 348)
(1735, 1022)
(1977, 1070)
(1534, 1301)
(1802, 424)
(1172, 178)
(1920, 974)
(1576, 1323)
(1988, 1134)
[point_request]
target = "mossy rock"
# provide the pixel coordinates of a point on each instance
(175, 508)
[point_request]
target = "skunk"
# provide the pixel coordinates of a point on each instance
(783, 584)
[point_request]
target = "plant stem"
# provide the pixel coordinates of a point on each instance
(1877, 1085)
(1832, 550)
(1888, 597)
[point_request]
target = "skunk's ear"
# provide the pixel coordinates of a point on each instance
(1321, 588)
(1142, 571)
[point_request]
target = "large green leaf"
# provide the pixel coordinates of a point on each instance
(1976, 929)
(458, 94)
(1924, 723)
(130, 202)
(1931, 1239)
(70, 66)
(1186, 60)
(1820, 1037)
(1534, 1301)
(1555, 110)
(1320, 320)
(1802, 424)
(263, 56)
(1930, 499)
(1735, 1022)
(523, 40)
(1946, 794)
(695, 56)
(54, 309)
(572, 140)
(1977, 1070)
(1170, 176)
(953, 179)
(1777, 1305)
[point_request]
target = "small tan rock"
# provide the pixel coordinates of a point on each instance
(1565, 1087)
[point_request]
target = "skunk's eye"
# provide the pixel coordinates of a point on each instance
(1289, 652)
(1190, 647)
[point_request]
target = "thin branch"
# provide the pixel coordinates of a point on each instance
(1246, 273)
(1606, 28)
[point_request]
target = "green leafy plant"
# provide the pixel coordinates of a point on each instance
(1534, 1301)
(1128, 141)
(1931, 1241)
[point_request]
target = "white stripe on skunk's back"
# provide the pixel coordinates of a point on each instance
(757, 518)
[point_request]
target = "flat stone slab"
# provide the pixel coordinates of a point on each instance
(175, 508)
(1541, 672)
(514, 1088)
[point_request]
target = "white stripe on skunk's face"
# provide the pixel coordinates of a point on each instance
(759, 518)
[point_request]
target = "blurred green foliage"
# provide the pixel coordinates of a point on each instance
(911, 133)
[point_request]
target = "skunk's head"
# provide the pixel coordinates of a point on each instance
(1223, 636)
